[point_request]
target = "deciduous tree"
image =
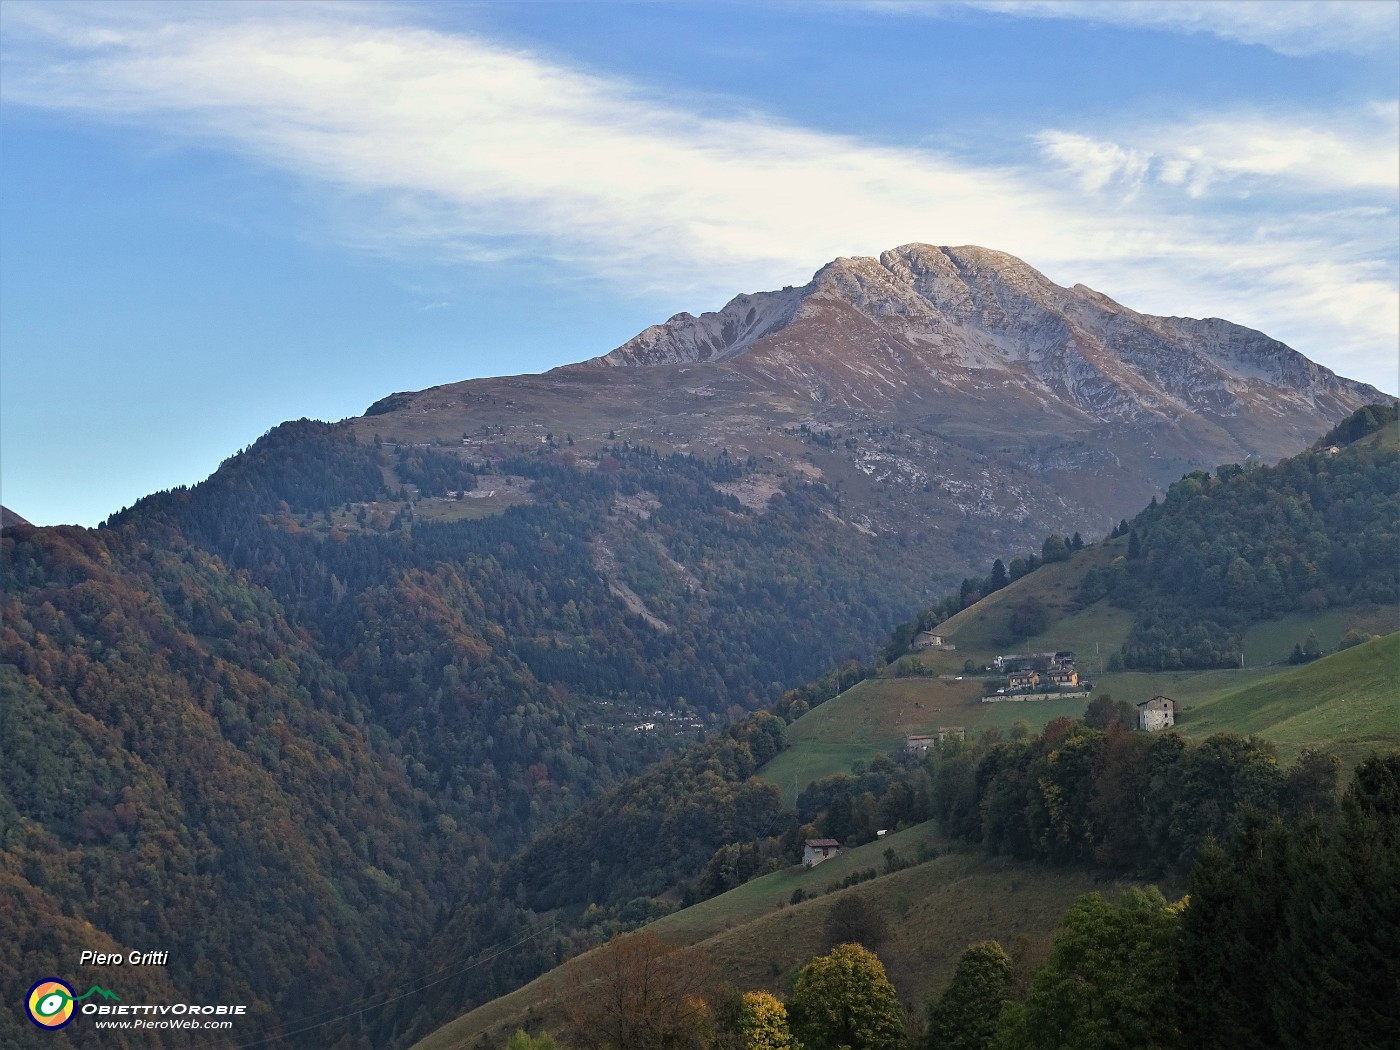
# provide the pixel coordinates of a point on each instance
(966, 1016)
(763, 1023)
(1108, 984)
(844, 999)
(854, 920)
(639, 992)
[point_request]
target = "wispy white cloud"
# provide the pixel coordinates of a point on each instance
(448, 143)
(1339, 153)
(1094, 162)
(1290, 27)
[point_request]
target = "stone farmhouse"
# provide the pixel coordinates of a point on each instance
(1156, 714)
(921, 742)
(928, 640)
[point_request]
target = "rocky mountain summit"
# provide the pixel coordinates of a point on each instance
(921, 321)
(952, 398)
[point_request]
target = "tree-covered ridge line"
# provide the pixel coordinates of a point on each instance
(1220, 552)
(1134, 802)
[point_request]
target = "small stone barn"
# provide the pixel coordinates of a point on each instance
(1157, 713)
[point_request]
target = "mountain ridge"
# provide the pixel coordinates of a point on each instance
(969, 309)
(933, 388)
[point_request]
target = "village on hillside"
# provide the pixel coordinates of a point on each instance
(1037, 676)
(1028, 678)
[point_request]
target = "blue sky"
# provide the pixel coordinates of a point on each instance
(214, 217)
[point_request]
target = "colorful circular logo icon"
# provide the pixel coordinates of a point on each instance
(50, 1003)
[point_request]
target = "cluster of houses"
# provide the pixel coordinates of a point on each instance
(1047, 672)
(1029, 669)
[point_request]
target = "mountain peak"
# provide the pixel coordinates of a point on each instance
(914, 281)
(923, 320)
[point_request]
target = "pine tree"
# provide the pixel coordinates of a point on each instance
(998, 579)
(1338, 969)
(1229, 941)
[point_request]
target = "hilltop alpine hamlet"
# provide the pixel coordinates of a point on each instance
(926, 656)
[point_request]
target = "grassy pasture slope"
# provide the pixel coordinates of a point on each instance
(757, 940)
(1348, 702)
(1271, 642)
(979, 631)
(1342, 703)
(873, 718)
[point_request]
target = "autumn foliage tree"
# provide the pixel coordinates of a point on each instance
(844, 999)
(763, 1023)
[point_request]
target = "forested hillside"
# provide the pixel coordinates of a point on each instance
(320, 690)
(1273, 856)
(1228, 549)
(287, 708)
(1317, 530)
(1088, 795)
